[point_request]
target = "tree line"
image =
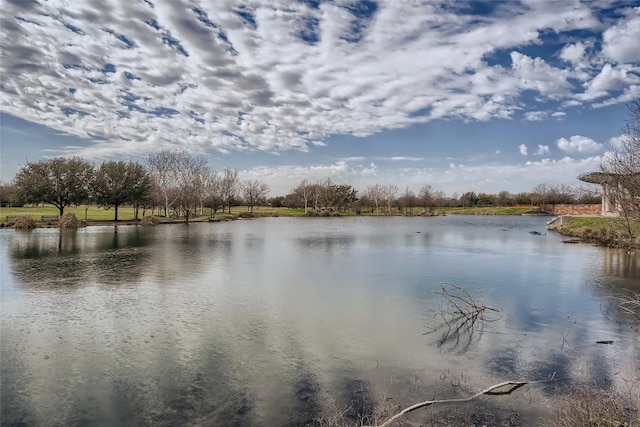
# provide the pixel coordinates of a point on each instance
(177, 183)
(180, 184)
(173, 182)
(387, 198)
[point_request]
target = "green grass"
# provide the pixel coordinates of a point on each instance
(599, 223)
(265, 211)
(94, 213)
(605, 231)
(491, 210)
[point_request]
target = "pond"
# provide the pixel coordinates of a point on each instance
(287, 321)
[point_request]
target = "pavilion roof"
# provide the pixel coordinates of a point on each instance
(602, 177)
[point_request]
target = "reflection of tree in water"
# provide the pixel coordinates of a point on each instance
(618, 280)
(356, 396)
(72, 258)
(620, 263)
(329, 243)
(183, 252)
(130, 237)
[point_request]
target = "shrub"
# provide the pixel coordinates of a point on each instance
(148, 221)
(586, 406)
(25, 222)
(69, 220)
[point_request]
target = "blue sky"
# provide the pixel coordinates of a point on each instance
(476, 95)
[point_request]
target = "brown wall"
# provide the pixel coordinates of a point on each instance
(575, 209)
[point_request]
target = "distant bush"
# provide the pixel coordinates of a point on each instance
(245, 215)
(25, 222)
(69, 220)
(148, 221)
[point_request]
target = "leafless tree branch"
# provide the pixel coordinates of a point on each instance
(503, 388)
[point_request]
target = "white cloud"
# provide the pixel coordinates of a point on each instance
(617, 142)
(536, 74)
(610, 78)
(401, 159)
(535, 116)
(558, 115)
(578, 144)
(620, 42)
(573, 53)
(523, 149)
(450, 177)
(630, 93)
(542, 150)
(246, 87)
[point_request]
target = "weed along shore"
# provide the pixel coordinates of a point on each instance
(609, 232)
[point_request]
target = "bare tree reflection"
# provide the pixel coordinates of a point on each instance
(462, 317)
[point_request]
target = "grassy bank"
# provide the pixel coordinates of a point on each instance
(604, 231)
(126, 213)
(94, 213)
(490, 210)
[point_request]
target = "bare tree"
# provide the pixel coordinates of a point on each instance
(162, 166)
(229, 186)
(316, 193)
(327, 194)
(375, 194)
(304, 191)
(190, 174)
(254, 193)
(622, 168)
(426, 196)
(540, 194)
(504, 198)
(390, 192)
(408, 201)
(213, 198)
(440, 198)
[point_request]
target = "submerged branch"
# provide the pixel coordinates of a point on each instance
(494, 390)
(462, 315)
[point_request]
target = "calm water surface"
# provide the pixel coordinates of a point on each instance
(279, 321)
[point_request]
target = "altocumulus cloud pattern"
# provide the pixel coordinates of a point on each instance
(273, 75)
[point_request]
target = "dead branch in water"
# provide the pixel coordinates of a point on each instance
(494, 390)
(630, 304)
(462, 315)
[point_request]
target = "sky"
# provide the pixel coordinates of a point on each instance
(462, 95)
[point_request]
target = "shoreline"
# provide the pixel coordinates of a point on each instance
(247, 215)
(605, 233)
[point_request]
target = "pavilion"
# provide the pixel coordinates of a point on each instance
(612, 189)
